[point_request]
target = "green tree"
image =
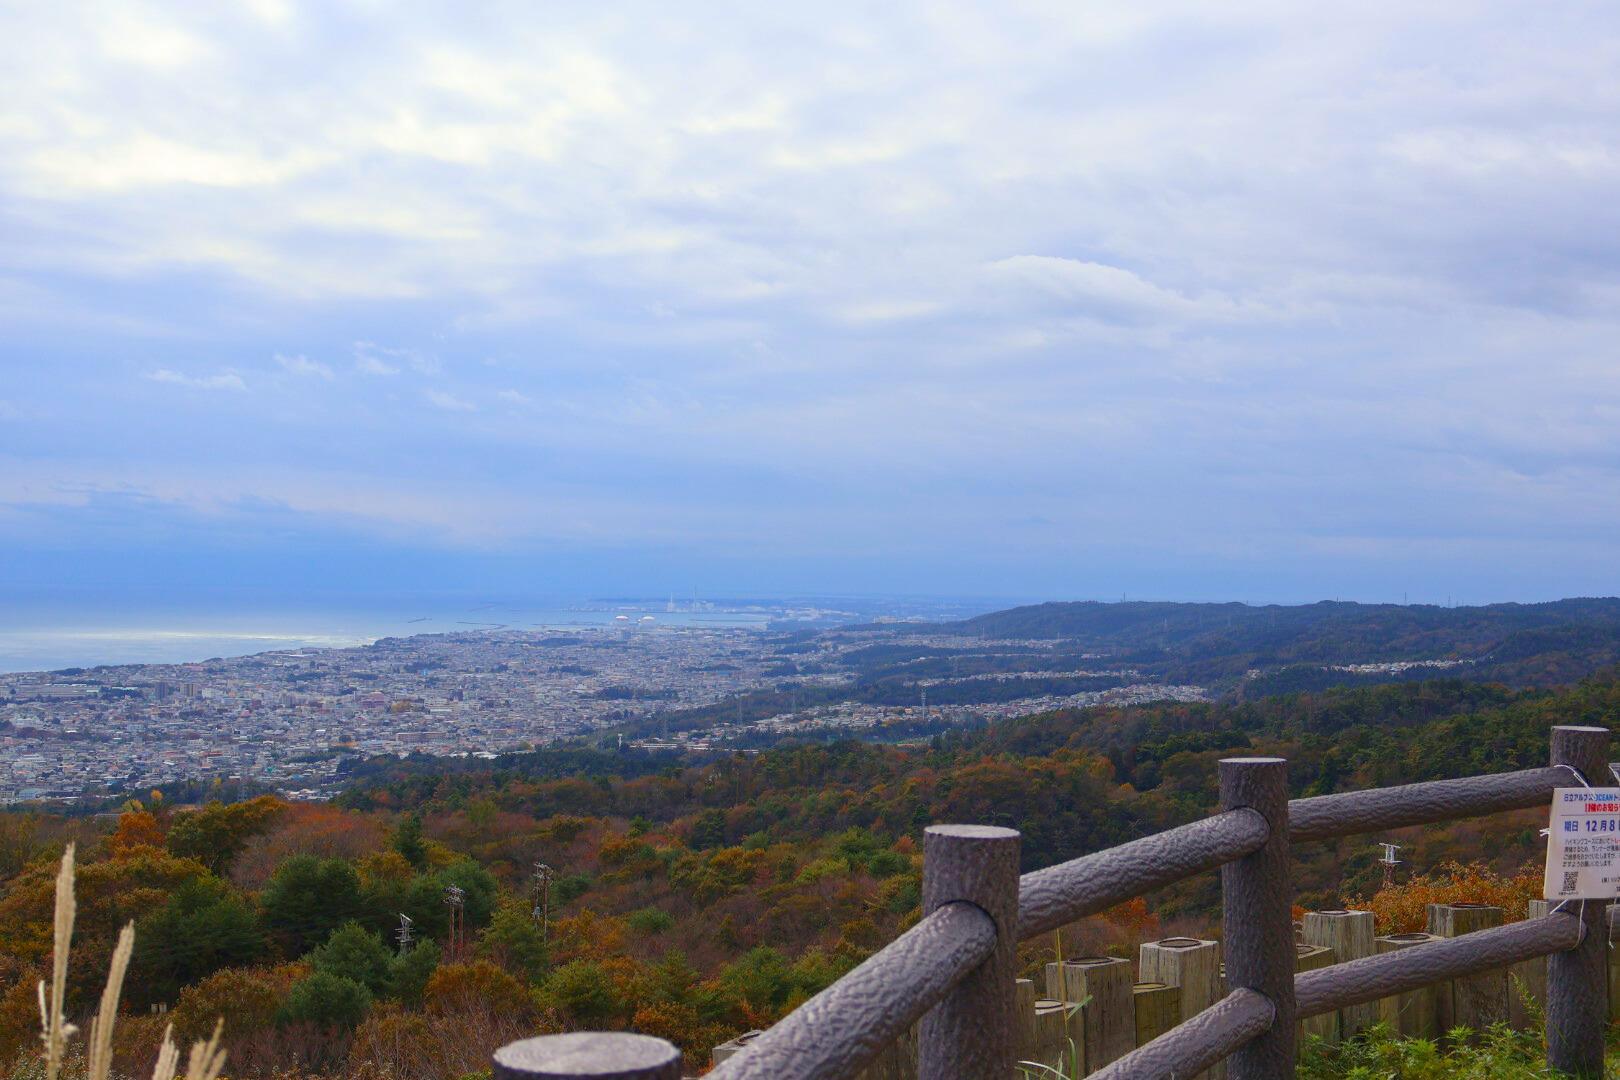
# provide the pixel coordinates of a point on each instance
(513, 940)
(203, 928)
(308, 898)
(583, 990)
(327, 999)
(409, 972)
(408, 840)
(354, 953)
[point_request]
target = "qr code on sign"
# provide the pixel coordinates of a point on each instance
(1571, 881)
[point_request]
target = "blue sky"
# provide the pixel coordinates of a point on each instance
(1247, 300)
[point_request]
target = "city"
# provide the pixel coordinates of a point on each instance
(289, 721)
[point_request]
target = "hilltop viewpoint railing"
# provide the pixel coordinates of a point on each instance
(955, 970)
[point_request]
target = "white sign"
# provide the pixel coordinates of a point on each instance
(1583, 844)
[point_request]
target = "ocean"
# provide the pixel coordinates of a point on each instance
(43, 632)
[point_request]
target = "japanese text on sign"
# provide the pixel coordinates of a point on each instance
(1583, 845)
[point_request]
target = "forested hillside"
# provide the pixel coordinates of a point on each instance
(1217, 644)
(689, 899)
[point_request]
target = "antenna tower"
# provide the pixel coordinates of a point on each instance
(1389, 862)
(542, 897)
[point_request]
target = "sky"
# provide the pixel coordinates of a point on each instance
(1250, 300)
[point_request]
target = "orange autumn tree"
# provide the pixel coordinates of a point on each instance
(1403, 908)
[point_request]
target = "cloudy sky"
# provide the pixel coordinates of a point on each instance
(1252, 300)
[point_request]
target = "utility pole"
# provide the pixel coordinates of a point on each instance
(403, 934)
(456, 897)
(542, 897)
(1389, 862)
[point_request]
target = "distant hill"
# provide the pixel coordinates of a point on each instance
(1521, 644)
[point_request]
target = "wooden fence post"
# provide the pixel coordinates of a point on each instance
(589, 1055)
(1414, 1014)
(1193, 967)
(1350, 935)
(1527, 980)
(1325, 1025)
(1577, 980)
(1257, 916)
(1158, 1009)
(1474, 1001)
(1108, 1014)
(970, 1034)
(1053, 1035)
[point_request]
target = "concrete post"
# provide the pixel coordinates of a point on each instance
(1257, 916)
(970, 1034)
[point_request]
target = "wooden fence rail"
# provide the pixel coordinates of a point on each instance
(955, 970)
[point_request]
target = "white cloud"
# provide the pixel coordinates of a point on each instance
(374, 359)
(303, 365)
(225, 381)
(449, 402)
(516, 397)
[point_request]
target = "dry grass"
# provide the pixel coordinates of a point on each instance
(207, 1059)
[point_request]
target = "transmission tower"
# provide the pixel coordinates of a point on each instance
(403, 934)
(456, 897)
(542, 897)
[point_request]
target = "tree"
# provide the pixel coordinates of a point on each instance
(354, 953)
(408, 840)
(409, 972)
(216, 834)
(514, 942)
(205, 927)
(248, 998)
(327, 999)
(582, 989)
(308, 898)
(136, 829)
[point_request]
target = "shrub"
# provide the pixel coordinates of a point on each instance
(248, 998)
(583, 990)
(650, 920)
(327, 1000)
(478, 987)
(1402, 909)
(356, 954)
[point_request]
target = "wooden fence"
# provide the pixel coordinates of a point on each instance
(955, 971)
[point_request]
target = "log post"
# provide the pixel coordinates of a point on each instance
(1577, 985)
(1257, 919)
(970, 1033)
(1614, 963)
(1350, 935)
